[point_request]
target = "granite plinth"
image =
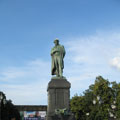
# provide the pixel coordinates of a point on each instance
(58, 96)
(63, 117)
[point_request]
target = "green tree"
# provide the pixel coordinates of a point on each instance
(77, 106)
(116, 89)
(96, 102)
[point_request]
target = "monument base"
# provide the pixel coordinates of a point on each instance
(58, 98)
(63, 117)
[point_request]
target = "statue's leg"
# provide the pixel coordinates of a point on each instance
(60, 67)
(57, 66)
(60, 72)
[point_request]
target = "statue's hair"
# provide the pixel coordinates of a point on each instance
(56, 40)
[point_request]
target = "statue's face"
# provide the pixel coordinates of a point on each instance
(56, 43)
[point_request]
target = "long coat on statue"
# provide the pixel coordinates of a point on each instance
(57, 53)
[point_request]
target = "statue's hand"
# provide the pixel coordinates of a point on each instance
(53, 53)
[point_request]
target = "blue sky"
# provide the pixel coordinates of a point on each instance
(89, 30)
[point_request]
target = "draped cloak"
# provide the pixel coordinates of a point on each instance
(57, 54)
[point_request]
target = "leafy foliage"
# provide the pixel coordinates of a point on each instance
(8, 110)
(100, 102)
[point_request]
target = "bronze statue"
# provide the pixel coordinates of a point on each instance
(57, 53)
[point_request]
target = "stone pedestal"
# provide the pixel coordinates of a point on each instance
(58, 96)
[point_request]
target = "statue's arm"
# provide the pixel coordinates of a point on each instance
(52, 51)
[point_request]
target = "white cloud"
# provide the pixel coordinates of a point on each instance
(94, 49)
(26, 84)
(115, 62)
(32, 70)
(88, 57)
(34, 93)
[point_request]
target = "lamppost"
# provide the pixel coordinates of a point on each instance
(97, 102)
(1, 98)
(97, 99)
(94, 102)
(87, 114)
(112, 113)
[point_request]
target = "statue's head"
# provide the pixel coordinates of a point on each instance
(56, 41)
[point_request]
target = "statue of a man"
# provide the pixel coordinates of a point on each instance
(57, 53)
